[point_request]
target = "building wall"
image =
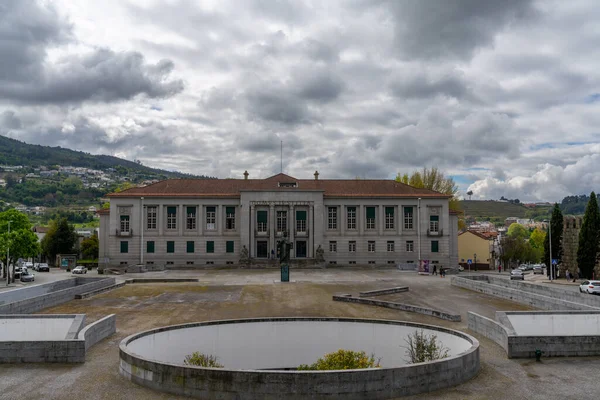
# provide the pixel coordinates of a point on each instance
(245, 233)
(470, 244)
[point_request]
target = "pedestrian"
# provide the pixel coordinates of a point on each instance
(499, 268)
(442, 272)
(272, 254)
(434, 272)
(568, 275)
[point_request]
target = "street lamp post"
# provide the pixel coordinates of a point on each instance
(550, 266)
(475, 261)
(8, 257)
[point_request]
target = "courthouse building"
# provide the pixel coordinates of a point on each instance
(199, 222)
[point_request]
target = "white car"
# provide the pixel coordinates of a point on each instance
(591, 287)
(517, 274)
(80, 269)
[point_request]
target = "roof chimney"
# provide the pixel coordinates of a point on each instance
(316, 175)
(246, 175)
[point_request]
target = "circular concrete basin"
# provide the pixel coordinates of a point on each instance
(256, 354)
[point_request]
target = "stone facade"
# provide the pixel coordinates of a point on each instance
(388, 223)
(570, 243)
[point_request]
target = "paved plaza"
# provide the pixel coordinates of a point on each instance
(239, 293)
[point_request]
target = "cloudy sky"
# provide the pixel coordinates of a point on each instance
(502, 95)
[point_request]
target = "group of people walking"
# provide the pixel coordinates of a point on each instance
(435, 272)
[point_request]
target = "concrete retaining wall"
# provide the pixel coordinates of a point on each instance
(399, 306)
(98, 291)
(381, 292)
(553, 346)
(520, 294)
(30, 305)
(488, 328)
(28, 292)
(56, 351)
(96, 331)
(376, 383)
(161, 280)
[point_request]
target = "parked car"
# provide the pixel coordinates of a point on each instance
(18, 271)
(42, 267)
(526, 267)
(27, 276)
(28, 265)
(80, 269)
(591, 287)
(538, 269)
(517, 274)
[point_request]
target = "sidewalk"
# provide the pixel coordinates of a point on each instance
(559, 281)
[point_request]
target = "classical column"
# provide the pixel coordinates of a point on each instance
(342, 219)
(159, 219)
(399, 219)
(360, 219)
(311, 230)
(381, 217)
(272, 218)
(182, 219)
(219, 219)
(251, 220)
(200, 219)
(292, 226)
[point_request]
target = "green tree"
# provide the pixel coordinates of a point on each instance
(588, 238)
(21, 242)
(90, 247)
(556, 225)
(342, 359)
(434, 179)
(518, 231)
(60, 239)
(537, 237)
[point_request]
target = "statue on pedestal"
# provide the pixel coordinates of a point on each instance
(284, 248)
(320, 254)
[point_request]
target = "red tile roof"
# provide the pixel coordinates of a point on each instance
(483, 235)
(103, 211)
(233, 188)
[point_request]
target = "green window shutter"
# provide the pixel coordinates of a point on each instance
(190, 246)
(300, 215)
(229, 210)
(433, 218)
(434, 246)
(371, 212)
(351, 209)
(230, 246)
(124, 246)
(191, 210)
(210, 209)
(261, 216)
(124, 217)
(150, 246)
(171, 210)
(389, 210)
(170, 247)
(408, 210)
(210, 247)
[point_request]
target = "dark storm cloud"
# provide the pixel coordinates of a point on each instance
(418, 83)
(453, 29)
(275, 104)
(27, 28)
(319, 85)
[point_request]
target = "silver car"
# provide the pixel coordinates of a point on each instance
(591, 287)
(517, 274)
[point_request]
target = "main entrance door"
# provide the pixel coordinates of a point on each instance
(301, 249)
(262, 249)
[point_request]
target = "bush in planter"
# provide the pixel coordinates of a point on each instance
(342, 359)
(202, 360)
(422, 347)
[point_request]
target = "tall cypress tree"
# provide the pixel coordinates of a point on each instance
(556, 225)
(588, 238)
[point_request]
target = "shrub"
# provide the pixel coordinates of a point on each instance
(202, 360)
(342, 359)
(422, 347)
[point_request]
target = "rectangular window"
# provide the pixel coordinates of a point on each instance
(391, 262)
(211, 215)
(371, 246)
(370, 217)
(390, 246)
(352, 262)
(435, 246)
(333, 247)
(190, 218)
(170, 246)
(281, 221)
(229, 246)
(410, 246)
(124, 223)
(210, 247)
(434, 223)
(151, 213)
(351, 217)
(331, 217)
(230, 218)
(389, 218)
(190, 246)
(124, 246)
(408, 218)
(261, 221)
(352, 246)
(171, 217)
(300, 221)
(150, 246)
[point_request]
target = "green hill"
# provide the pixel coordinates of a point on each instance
(15, 152)
(482, 209)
